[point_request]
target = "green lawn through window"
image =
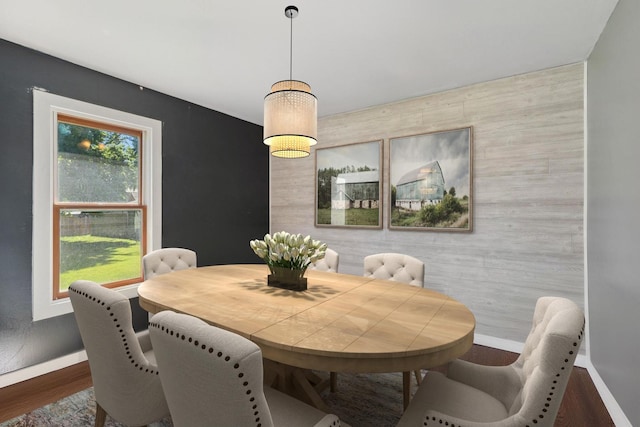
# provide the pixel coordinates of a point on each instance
(100, 259)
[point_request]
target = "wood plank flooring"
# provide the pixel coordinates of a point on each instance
(580, 407)
(25, 396)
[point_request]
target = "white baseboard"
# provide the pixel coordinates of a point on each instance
(617, 415)
(71, 359)
(42, 368)
(60, 363)
(615, 411)
(499, 343)
(516, 347)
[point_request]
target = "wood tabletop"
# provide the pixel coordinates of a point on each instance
(342, 323)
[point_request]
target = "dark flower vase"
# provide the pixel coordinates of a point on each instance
(286, 278)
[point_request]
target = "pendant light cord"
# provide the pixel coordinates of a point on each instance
(291, 49)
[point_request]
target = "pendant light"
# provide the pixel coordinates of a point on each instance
(290, 112)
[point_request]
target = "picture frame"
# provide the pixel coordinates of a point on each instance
(431, 181)
(348, 189)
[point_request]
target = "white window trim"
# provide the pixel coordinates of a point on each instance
(45, 107)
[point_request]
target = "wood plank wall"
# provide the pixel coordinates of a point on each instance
(528, 194)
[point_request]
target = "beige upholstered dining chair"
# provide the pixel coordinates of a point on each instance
(396, 267)
(328, 263)
(166, 260)
(525, 393)
(213, 377)
(125, 377)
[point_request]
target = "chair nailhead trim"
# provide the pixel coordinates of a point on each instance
(227, 358)
(554, 382)
(140, 365)
(439, 421)
(546, 405)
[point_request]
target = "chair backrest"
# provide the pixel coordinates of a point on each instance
(328, 263)
(166, 260)
(211, 377)
(547, 359)
(126, 383)
(396, 267)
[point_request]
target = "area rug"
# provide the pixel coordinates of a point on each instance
(361, 400)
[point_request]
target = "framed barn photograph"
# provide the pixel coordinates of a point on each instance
(349, 185)
(431, 181)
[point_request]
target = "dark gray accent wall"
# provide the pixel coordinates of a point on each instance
(215, 188)
(613, 206)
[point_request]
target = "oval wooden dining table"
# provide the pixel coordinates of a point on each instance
(341, 323)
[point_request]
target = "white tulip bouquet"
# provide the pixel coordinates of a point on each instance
(289, 251)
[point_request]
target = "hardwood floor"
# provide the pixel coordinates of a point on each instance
(25, 396)
(581, 405)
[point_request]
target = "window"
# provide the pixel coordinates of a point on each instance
(97, 193)
(98, 217)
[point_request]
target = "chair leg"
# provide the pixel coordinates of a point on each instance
(418, 376)
(406, 389)
(333, 381)
(101, 416)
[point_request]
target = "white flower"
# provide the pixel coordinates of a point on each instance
(283, 249)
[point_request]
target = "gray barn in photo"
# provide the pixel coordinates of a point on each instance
(356, 190)
(424, 185)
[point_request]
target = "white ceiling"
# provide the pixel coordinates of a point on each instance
(225, 55)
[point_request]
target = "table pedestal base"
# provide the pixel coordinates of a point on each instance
(306, 385)
(303, 384)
